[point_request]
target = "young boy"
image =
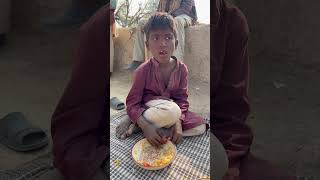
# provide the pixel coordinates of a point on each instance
(157, 101)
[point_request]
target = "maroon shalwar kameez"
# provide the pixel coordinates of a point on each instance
(148, 85)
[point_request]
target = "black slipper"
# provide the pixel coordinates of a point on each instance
(17, 133)
(116, 104)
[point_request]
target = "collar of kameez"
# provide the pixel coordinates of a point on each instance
(157, 64)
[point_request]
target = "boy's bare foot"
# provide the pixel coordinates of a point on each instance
(123, 126)
(126, 128)
(133, 128)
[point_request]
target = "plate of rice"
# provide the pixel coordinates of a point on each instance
(152, 158)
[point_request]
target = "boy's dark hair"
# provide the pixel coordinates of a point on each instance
(160, 20)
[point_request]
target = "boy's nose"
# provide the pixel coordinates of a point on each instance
(163, 43)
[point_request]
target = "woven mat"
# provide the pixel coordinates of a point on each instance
(29, 171)
(192, 160)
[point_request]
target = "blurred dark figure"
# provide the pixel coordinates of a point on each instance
(77, 13)
(5, 10)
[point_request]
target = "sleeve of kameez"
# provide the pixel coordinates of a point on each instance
(135, 108)
(181, 95)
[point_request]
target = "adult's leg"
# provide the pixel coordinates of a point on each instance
(182, 22)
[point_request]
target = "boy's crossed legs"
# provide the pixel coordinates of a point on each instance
(156, 116)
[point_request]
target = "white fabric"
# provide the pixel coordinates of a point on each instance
(182, 21)
(162, 113)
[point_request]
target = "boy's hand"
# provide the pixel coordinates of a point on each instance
(152, 136)
(150, 132)
(165, 133)
(176, 133)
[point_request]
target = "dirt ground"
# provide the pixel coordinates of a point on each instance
(285, 113)
(35, 67)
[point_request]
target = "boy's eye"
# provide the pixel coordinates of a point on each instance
(168, 38)
(155, 38)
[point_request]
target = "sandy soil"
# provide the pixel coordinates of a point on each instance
(35, 67)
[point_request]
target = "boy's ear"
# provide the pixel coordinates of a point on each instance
(176, 44)
(147, 44)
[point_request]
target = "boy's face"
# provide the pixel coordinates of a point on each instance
(161, 43)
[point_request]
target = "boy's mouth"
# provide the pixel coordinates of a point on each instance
(163, 53)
